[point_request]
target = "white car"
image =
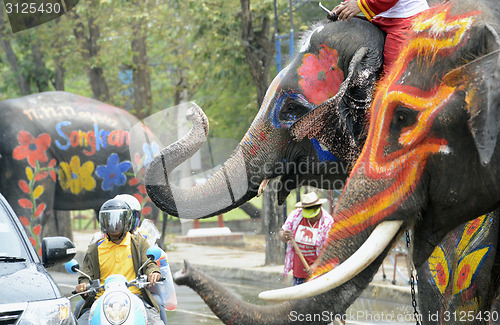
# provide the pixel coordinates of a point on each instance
(29, 294)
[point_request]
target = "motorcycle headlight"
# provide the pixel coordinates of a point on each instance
(116, 307)
(55, 311)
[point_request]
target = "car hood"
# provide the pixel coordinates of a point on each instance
(24, 281)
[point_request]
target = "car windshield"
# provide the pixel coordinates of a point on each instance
(11, 243)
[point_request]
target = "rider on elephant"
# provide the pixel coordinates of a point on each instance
(394, 17)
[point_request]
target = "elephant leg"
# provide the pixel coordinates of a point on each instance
(58, 223)
(461, 274)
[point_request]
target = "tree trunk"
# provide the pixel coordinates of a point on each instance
(40, 73)
(273, 220)
(259, 49)
(143, 99)
(89, 51)
(22, 81)
(59, 59)
(59, 77)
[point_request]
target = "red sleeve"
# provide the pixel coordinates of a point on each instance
(371, 8)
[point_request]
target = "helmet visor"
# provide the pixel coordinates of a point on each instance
(113, 220)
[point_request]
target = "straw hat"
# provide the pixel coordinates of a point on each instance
(310, 200)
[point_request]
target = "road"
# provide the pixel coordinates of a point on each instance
(192, 310)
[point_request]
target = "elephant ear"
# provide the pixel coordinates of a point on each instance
(482, 77)
(338, 122)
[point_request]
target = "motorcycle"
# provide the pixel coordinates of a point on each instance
(117, 305)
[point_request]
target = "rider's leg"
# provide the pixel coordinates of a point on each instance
(78, 306)
(163, 312)
(84, 319)
(153, 315)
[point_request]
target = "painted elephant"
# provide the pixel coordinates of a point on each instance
(336, 77)
(430, 160)
(60, 151)
(306, 125)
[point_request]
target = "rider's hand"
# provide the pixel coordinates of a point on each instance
(81, 287)
(347, 9)
(153, 277)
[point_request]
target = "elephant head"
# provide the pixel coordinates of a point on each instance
(307, 131)
(430, 160)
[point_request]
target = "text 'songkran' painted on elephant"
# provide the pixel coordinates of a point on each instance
(61, 151)
(95, 138)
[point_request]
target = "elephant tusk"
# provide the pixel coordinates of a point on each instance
(262, 187)
(364, 256)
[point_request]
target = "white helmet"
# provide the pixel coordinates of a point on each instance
(134, 205)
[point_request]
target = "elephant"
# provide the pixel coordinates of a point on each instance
(308, 125)
(429, 161)
(336, 103)
(61, 151)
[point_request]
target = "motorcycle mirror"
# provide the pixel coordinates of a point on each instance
(57, 250)
(72, 266)
(154, 253)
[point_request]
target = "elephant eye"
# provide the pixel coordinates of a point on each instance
(292, 110)
(403, 117)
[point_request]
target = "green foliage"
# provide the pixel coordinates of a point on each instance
(190, 45)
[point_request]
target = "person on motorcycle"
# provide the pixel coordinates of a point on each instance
(134, 204)
(119, 252)
(136, 208)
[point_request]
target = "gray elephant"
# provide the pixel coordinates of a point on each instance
(331, 83)
(322, 96)
(61, 151)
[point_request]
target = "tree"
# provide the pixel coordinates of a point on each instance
(22, 80)
(259, 51)
(87, 32)
(259, 48)
(142, 84)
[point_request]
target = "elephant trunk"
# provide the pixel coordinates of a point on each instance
(321, 309)
(224, 190)
(232, 185)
